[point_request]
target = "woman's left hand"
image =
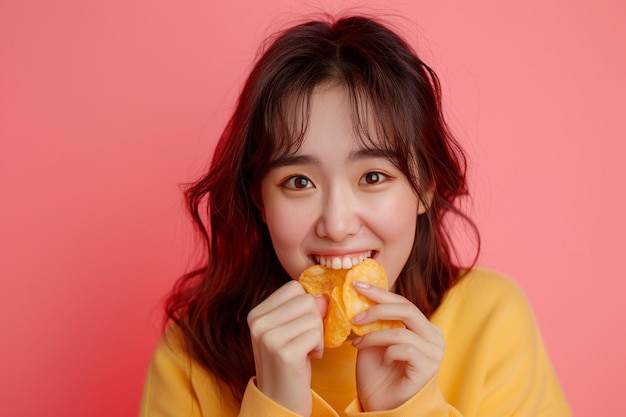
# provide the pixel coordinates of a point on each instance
(394, 364)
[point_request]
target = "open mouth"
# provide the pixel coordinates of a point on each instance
(344, 261)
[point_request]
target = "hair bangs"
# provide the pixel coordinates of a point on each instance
(286, 123)
(384, 125)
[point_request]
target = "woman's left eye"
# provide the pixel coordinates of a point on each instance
(373, 178)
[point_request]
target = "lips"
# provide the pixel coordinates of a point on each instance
(346, 261)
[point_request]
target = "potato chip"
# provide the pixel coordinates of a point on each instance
(336, 326)
(344, 301)
(371, 272)
(320, 280)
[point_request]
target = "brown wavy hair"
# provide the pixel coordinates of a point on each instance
(385, 78)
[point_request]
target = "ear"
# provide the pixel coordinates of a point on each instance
(425, 199)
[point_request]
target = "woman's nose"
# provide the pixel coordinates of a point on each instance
(339, 218)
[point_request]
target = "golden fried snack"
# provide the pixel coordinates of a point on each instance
(337, 327)
(344, 301)
(319, 280)
(371, 272)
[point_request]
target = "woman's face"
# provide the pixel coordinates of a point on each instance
(333, 201)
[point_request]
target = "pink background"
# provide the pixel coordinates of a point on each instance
(106, 107)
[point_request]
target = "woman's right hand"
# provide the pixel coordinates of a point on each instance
(286, 330)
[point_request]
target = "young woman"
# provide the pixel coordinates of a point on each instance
(338, 151)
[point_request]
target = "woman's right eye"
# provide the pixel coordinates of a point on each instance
(298, 182)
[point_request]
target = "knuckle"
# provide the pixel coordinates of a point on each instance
(412, 350)
(251, 317)
(287, 357)
(438, 355)
(254, 334)
(267, 341)
(318, 331)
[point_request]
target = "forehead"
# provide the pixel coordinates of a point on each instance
(326, 117)
(330, 120)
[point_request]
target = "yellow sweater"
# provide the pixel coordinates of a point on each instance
(495, 365)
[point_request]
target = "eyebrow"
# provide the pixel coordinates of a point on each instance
(287, 160)
(362, 153)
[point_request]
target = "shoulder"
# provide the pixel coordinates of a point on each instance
(482, 296)
(487, 288)
(486, 317)
(174, 355)
(171, 349)
(492, 335)
(171, 362)
(177, 383)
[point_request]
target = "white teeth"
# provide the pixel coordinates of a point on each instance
(336, 264)
(345, 262)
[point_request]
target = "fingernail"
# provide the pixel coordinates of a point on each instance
(357, 341)
(359, 317)
(361, 284)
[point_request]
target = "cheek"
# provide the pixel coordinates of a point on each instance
(289, 224)
(396, 218)
(400, 236)
(396, 223)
